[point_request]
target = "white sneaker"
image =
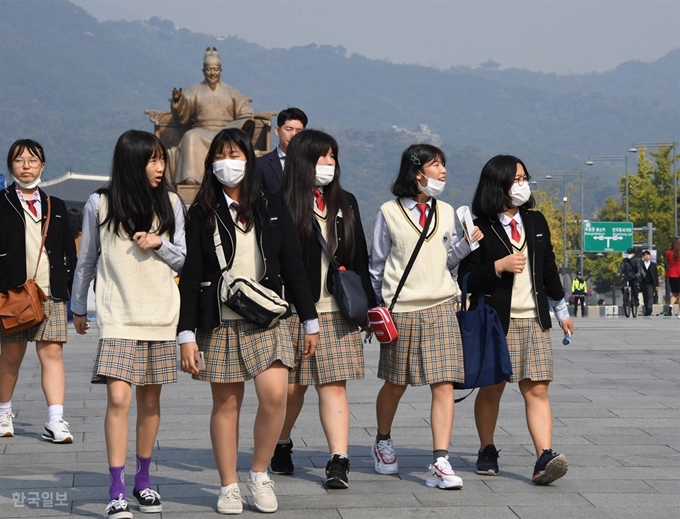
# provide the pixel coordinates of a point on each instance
(6, 425)
(442, 475)
(263, 493)
(384, 457)
(230, 500)
(57, 432)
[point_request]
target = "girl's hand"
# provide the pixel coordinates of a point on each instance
(567, 326)
(514, 263)
(80, 322)
(188, 351)
(146, 241)
(311, 342)
(476, 234)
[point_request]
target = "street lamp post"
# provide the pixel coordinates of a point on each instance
(624, 158)
(634, 149)
(580, 173)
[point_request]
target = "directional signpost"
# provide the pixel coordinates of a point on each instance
(607, 236)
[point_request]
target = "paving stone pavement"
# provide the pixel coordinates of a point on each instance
(616, 404)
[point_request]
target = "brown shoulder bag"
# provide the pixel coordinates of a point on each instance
(21, 307)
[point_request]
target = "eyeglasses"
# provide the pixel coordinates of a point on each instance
(33, 162)
(520, 181)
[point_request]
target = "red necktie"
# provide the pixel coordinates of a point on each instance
(239, 213)
(514, 233)
(320, 202)
(423, 214)
(31, 207)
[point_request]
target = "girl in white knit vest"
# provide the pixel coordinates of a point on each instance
(515, 268)
(429, 348)
(137, 224)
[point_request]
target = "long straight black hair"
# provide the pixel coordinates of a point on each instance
(133, 203)
(299, 182)
(210, 191)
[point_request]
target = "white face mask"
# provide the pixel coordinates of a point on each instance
(31, 185)
(631, 256)
(520, 194)
(433, 188)
(324, 175)
(229, 172)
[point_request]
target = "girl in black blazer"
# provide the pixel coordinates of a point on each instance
(259, 241)
(515, 268)
(311, 188)
(23, 213)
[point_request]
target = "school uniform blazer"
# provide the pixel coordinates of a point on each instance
(281, 254)
(269, 171)
(359, 264)
(479, 264)
(59, 245)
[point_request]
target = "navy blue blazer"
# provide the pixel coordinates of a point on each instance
(269, 171)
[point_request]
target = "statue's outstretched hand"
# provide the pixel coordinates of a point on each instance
(176, 94)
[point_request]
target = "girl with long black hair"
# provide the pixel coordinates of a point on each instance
(312, 190)
(133, 233)
(259, 241)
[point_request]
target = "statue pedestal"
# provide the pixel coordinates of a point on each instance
(187, 192)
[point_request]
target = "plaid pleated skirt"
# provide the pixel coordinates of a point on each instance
(141, 363)
(530, 351)
(52, 329)
(428, 350)
(237, 350)
(339, 355)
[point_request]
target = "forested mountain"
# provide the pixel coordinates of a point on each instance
(75, 84)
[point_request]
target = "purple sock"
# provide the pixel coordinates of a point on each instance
(117, 482)
(142, 477)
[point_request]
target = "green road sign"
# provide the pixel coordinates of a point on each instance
(607, 236)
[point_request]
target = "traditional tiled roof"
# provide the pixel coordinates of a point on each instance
(74, 187)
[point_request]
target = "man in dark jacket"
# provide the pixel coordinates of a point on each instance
(650, 282)
(631, 272)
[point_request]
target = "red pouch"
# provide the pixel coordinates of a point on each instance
(382, 324)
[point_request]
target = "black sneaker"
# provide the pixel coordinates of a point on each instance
(149, 501)
(336, 472)
(118, 509)
(549, 467)
(487, 461)
(282, 462)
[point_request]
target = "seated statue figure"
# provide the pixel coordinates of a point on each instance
(208, 106)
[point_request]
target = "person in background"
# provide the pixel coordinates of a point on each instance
(631, 272)
(649, 284)
(673, 271)
(75, 220)
(289, 123)
(23, 215)
(600, 300)
(579, 291)
(133, 237)
(515, 268)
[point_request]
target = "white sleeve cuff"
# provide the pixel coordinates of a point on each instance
(186, 336)
(311, 326)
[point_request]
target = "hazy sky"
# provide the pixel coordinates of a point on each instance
(563, 36)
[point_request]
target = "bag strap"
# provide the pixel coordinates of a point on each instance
(480, 301)
(324, 243)
(44, 236)
(219, 251)
(415, 252)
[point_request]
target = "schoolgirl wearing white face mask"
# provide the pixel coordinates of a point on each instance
(259, 241)
(312, 190)
(428, 350)
(515, 268)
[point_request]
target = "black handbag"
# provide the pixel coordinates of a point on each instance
(345, 286)
(255, 303)
(485, 348)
